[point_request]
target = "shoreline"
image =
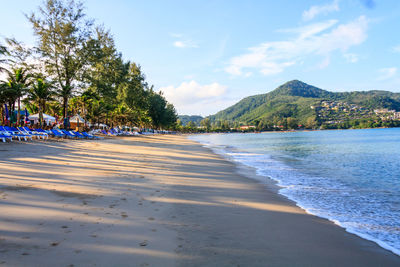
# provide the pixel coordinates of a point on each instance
(156, 201)
(273, 185)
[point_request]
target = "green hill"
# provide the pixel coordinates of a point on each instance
(185, 119)
(303, 103)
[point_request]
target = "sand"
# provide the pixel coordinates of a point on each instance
(156, 201)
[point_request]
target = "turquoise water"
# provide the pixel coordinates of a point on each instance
(351, 177)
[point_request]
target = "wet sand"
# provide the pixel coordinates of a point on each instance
(156, 201)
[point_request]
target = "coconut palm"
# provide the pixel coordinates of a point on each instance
(18, 81)
(3, 51)
(39, 93)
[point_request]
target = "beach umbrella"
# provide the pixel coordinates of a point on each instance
(46, 118)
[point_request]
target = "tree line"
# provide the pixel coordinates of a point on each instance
(75, 68)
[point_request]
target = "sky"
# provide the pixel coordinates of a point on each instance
(207, 55)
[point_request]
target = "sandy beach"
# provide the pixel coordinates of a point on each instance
(156, 201)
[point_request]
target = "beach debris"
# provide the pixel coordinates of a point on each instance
(143, 244)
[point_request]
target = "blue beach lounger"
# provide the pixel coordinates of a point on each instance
(68, 134)
(89, 136)
(4, 136)
(26, 130)
(42, 133)
(57, 133)
(78, 134)
(15, 133)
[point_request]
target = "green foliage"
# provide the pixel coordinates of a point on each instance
(161, 112)
(85, 73)
(185, 119)
(17, 82)
(40, 93)
(63, 35)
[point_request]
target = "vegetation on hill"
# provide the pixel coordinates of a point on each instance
(194, 120)
(298, 105)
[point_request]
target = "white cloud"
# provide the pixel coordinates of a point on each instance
(185, 44)
(396, 49)
(179, 44)
(314, 11)
(190, 97)
(387, 73)
(182, 42)
(176, 35)
(351, 58)
(315, 39)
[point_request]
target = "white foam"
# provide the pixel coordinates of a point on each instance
(306, 192)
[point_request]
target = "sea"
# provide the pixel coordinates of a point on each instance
(351, 177)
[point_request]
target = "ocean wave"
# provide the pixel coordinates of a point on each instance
(331, 199)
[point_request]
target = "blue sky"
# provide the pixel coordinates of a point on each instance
(207, 55)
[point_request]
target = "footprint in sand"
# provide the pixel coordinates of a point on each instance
(143, 244)
(54, 244)
(151, 219)
(124, 215)
(25, 254)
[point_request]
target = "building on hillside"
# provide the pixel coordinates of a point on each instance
(246, 127)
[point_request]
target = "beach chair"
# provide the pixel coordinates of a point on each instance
(42, 133)
(15, 133)
(78, 134)
(68, 134)
(57, 133)
(105, 132)
(26, 130)
(26, 136)
(5, 136)
(113, 132)
(48, 132)
(88, 136)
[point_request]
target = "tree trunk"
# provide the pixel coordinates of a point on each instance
(40, 116)
(18, 114)
(65, 107)
(2, 115)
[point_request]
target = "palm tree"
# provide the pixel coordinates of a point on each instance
(40, 93)
(3, 51)
(18, 81)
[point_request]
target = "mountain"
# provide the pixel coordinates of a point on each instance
(303, 102)
(186, 118)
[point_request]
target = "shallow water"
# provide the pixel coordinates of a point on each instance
(351, 177)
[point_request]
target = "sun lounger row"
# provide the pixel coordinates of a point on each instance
(8, 133)
(71, 134)
(116, 131)
(24, 133)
